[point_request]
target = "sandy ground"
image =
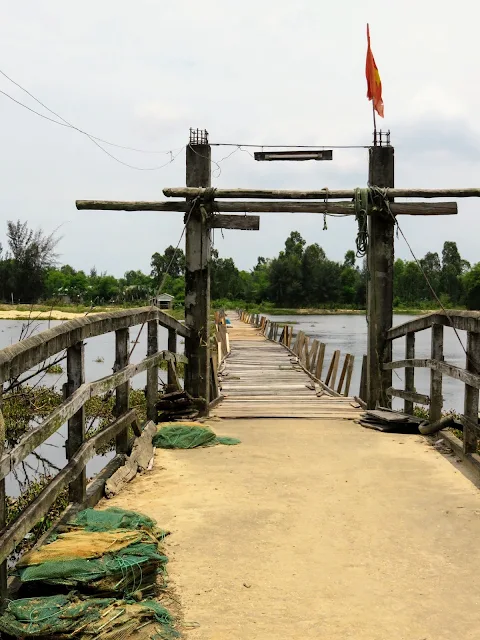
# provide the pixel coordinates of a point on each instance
(55, 314)
(317, 529)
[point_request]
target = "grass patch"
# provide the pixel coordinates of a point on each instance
(54, 368)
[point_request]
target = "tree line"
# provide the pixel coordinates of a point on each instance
(299, 276)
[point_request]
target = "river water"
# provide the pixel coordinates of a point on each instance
(99, 360)
(349, 334)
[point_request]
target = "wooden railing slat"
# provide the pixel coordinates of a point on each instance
(446, 369)
(67, 409)
(40, 506)
(24, 355)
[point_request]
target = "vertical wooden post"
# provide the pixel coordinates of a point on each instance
(172, 347)
(123, 391)
(409, 371)
(362, 392)
(197, 278)
(3, 510)
(380, 259)
(436, 399)
(470, 411)
(152, 373)
(320, 358)
(76, 424)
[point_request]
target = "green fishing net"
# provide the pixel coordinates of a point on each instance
(111, 518)
(73, 616)
(179, 436)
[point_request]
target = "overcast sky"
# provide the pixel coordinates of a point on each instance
(259, 72)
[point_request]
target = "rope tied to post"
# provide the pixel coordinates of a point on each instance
(208, 205)
(360, 201)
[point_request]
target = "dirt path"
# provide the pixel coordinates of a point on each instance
(317, 530)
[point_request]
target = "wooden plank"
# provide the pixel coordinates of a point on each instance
(330, 379)
(76, 424)
(32, 439)
(461, 320)
(470, 411)
(40, 506)
(24, 355)
(122, 392)
(319, 194)
(242, 223)
(410, 397)
(152, 372)
(436, 397)
(320, 359)
(172, 347)
(446, 369)
(343, 373)
(349, 374)
(409, 372)
(313, 356)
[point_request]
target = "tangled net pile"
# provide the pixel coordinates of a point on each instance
(102, 556)
(188, 436)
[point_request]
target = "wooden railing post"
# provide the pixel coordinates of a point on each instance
(123, 391)
(436, 398)
(470, 411)
(172, 347)
(76, 424)
(409, 371)
(152, 373)
(3, 509)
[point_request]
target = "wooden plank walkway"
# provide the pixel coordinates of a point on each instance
(262, 379)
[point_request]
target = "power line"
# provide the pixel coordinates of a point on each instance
(111, 144)
(430, 286)
(291, 146)
(94, 139)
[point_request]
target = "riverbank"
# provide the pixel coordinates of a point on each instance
(70, 312)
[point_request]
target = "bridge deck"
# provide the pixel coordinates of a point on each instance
(262, 380)
(316, 530)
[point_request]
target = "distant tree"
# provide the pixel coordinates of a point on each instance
(32, 253)
(172, 261)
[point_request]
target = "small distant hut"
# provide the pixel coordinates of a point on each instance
(163, 301)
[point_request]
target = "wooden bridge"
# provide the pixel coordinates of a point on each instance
(350, 533)
(263, 378)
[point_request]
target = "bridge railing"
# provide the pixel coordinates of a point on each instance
(310, 353)
(22, 356)
(468, 321)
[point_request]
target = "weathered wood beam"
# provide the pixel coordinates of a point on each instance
(34, 438)
(344, 208)
(244, 223)
(40, 506)
(461, 320)
(410, 396)
(450, 370)
(287, 194)
(24, 355)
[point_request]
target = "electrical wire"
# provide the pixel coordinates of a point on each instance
(112, 144)
(430, 286)
(64, 123)
(291, 146)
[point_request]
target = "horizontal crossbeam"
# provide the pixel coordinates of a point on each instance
(287, 194)
(342, 208)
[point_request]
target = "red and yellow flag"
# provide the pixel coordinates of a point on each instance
(374, 84)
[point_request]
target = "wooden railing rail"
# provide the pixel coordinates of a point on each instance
(468, 321)
(21, 357)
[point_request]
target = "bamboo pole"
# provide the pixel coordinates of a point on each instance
(289, 194)
(273, 206)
